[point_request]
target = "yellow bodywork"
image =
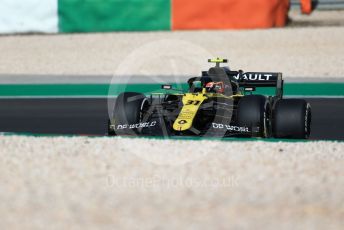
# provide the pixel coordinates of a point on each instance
(191, 104)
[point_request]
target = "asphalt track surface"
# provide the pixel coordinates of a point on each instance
(88, 116)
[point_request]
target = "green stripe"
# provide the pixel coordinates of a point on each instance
(182, 138)
(308, 89)
(53, 90)
(114, 15)
(22, 90)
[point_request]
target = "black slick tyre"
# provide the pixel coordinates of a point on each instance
(252, 112)
(127, 111)
(292, 119)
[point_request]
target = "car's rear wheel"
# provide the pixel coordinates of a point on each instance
(127, 111)
(253, 112)
(292, 119)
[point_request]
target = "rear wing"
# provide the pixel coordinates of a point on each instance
(249, 79)
(258, 79)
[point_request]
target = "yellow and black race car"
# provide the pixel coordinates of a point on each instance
(220, 103)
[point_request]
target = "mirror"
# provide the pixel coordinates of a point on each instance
(197, 84)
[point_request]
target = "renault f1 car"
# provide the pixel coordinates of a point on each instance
(219, 103)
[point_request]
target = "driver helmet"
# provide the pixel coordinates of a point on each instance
(215, 87)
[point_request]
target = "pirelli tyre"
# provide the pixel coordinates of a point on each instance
(292, 119)
(127, 114)
(253, 112)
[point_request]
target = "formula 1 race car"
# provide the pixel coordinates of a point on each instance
(220, 103)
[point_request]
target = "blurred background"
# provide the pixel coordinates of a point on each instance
(292, 36)
(53, 16)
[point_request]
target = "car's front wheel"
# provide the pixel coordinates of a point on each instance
(127, 112)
